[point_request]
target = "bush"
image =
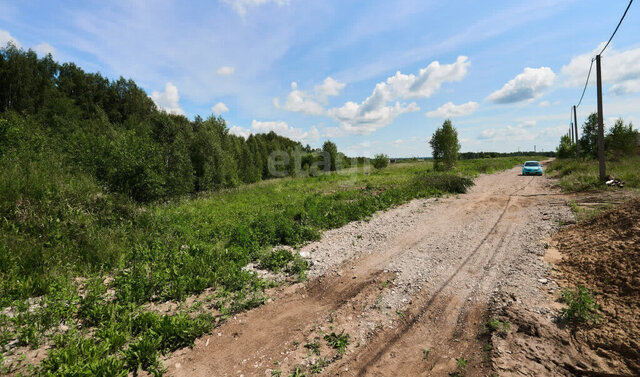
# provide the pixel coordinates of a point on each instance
(567, 148)
(581, 307)
(445, 182)
(380, 161)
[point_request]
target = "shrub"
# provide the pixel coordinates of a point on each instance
(581, 307)
(380, 161)
(445, 182)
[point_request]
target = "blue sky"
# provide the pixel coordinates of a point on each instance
(373, 76)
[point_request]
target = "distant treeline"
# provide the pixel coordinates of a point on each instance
(111, 131)
(474, 155)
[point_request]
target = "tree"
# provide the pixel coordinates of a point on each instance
(567, 148)
(622, 140)
(380, 161)
(589, 139)
(444, 143)
(331, 148)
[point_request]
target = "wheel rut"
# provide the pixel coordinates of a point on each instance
(464, 245)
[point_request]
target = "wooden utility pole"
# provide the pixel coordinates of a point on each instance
(603, 173)
(571, 132)
(575, 125)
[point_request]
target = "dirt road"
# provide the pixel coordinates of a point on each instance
(410, 287)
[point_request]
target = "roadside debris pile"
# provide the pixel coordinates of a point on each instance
(614, 182)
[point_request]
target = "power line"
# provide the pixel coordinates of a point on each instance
(604, 48)
(614, 32)
(585, 84)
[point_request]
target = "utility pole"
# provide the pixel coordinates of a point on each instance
(571, 132)
(575, 124)
(603, 172)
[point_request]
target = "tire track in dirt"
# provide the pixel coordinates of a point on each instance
(374, 353)
(449, 308)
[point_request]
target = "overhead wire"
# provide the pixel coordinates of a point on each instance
(619, 23)
(604, 48)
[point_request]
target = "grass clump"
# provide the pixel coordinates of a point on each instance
(338, 342)
(581, 306)
(494, 325)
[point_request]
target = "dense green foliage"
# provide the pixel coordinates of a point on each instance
(380, 161)
(567, 148)
(589, 140)
(620, 140)
(445, 146)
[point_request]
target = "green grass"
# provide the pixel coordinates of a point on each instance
(56, 226)
(583, 175)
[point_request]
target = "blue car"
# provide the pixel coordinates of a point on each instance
(531, 168)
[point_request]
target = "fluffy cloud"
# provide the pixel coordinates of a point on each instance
(520, 132)
(375, 112)
(279, 127)
(168, 100)
(544, 104)
(528, 85)
(619, 68)
(310, 103)
(44, 48)
(226, 71)
(219, 108)
(240, 6)
(239, 131)
(5, 38)
(449, 110)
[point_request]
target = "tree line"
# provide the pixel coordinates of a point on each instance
(619, 141)
(112, 131)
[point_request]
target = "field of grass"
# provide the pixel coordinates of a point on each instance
(583, 175)
(77, 272)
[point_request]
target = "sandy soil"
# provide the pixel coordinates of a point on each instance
(418, 277)
(603, 254)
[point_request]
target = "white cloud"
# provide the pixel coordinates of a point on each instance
(240, 6)
(332, 132)
(520, 132)
(219, 108)
(626, 87)
(449, 110)
(358, 119)
(168, 100)
(544, 104)
(240, 131)
(328, 88)
(283, 129)
(226, 71)
(375, 113)
(310, 103)
(526, 86)
(619, 68)
(44, 48)
(5, 38)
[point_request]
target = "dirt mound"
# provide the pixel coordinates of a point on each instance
(603, 254)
